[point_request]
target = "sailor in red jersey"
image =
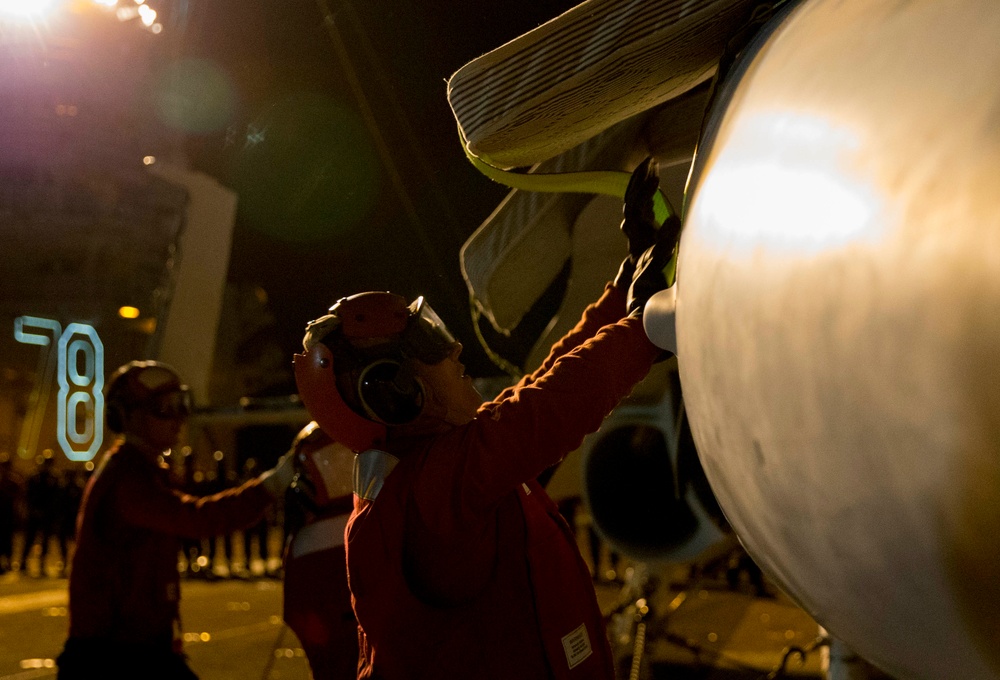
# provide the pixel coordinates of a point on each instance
(317, 602)
(459, 564)
(124, 588)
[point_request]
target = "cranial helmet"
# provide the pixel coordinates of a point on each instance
(328, 465)
(145, 385)
(354, 376)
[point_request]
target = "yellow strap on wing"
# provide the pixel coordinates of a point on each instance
(605, 182)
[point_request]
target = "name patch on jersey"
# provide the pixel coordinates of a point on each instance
(576, 644)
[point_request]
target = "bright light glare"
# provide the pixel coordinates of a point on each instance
(782, 182)
(128, 312)
(25, 8)
(106, 3)
(147, 14)
(785, 205)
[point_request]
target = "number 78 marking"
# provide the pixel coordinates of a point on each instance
(79, 390)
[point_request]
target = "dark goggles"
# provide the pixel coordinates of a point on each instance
(172, 405)
(426, 338)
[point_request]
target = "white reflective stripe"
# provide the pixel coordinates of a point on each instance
(322, 535)
(371, 467)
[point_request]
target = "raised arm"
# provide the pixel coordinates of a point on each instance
(512, 441)
(148, 501)
(640, 228)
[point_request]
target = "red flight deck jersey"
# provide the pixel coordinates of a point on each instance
(317, 602)
(462, 567)
(124, 586)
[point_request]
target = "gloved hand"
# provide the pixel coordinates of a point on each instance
(277, 479)
(639, 224)
(650, 277)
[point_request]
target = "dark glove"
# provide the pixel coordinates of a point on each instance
(650, 275)
(639, 224)
(650, 246)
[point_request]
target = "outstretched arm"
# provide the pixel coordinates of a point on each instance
(149, 502)
(640, 228)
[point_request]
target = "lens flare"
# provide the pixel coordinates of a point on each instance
(193, 95)
(306, 170)
(26, 9)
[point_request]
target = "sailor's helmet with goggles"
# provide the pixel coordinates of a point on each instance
(354, 376)
(324, 481)
(150, 386)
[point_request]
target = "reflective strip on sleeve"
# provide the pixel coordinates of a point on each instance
(371, 467)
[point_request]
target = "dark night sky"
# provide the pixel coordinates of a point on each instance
(319, 216)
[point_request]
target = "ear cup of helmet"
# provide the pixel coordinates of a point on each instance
(390, 393)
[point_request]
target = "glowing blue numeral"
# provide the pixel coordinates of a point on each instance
(47, 361)
(21, 335)
(79, 364)
(71, 400)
